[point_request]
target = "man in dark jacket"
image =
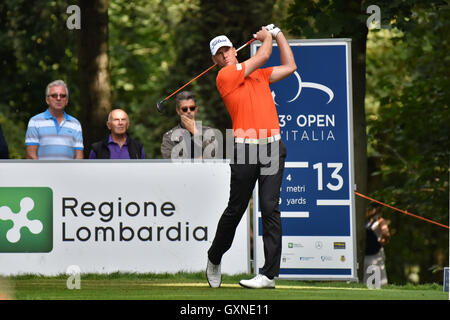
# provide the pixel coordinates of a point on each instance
(118, 145)
(4, 151)
(189, 139)
(377, 235)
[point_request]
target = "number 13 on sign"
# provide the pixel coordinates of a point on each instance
(334, 175)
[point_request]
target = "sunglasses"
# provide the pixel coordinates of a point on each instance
(185, 109)
(56, 95)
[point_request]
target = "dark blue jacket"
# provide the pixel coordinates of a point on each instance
(4, 152)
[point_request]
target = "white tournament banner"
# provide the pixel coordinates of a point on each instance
(107, 216)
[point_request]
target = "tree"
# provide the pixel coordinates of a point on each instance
(347, 19)
(408, 137)
(142, 51)
(36, 49)
(93, 64)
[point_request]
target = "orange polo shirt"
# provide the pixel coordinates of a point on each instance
(249, 101)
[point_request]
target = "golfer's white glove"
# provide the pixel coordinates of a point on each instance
(274, 30)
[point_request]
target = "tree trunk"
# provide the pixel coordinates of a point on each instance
(93, 65)
(360, 140)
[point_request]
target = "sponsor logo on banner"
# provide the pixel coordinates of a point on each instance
(312, 85)
(119, 220)
(292, 245)
(339, 245)
(306, 258)
(326, 258)
(287, 257)
(26, 219)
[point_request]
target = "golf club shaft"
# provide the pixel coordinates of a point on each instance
(181, 88)
(237, 50)
(245, 44)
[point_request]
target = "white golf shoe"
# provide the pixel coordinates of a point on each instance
(260, 281)
(213, 274)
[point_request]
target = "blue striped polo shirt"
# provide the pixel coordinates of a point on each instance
(56, 142)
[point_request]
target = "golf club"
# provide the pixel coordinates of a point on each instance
(159, 105)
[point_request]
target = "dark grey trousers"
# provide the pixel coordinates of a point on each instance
(265, 166)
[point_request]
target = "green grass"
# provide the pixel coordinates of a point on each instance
(193, 286)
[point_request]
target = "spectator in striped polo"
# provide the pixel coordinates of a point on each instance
(53, 134)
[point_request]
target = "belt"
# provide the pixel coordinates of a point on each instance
(258, 141)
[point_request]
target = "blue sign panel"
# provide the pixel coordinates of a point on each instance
(316, 201)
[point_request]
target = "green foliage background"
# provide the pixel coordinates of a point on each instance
(408, 127)
(156, 46)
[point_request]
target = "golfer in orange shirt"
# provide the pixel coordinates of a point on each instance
(244, 88)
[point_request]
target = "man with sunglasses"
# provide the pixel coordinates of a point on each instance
(53, 134)
(189, 139)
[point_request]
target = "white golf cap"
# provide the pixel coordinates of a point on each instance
(219, 42)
